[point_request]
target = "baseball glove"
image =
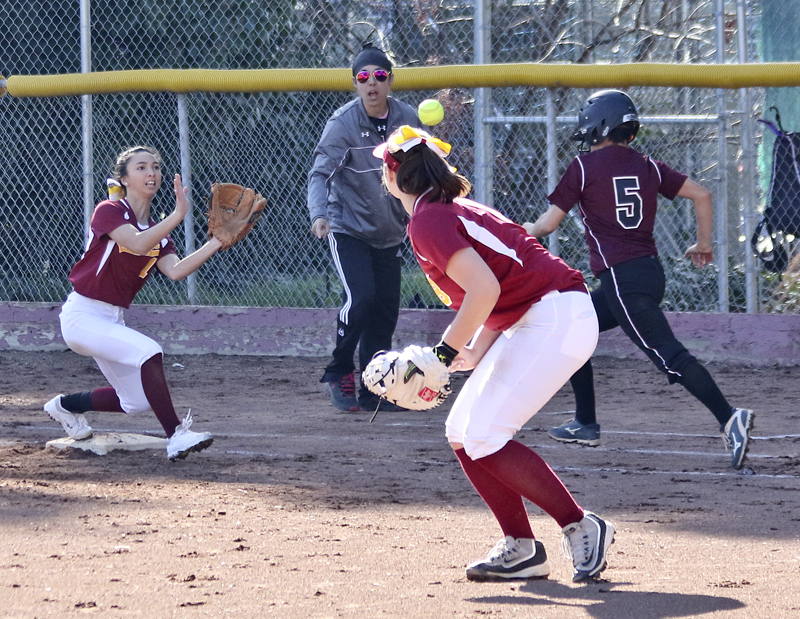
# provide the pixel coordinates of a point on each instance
(413, 378)
(233, 210)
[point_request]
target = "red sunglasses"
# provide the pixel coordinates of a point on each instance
(379, 74)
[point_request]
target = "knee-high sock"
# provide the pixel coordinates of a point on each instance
(524, 471)
(582, 383)
(505, 503)
(106, 399)
(103, 399)
(157, 393)
(77, 403)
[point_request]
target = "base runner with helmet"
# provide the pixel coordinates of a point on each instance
(616, 189)
(524, 324)
(124, 246)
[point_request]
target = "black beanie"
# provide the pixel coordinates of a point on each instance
(371, 55)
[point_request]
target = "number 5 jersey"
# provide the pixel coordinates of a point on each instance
(616, 189)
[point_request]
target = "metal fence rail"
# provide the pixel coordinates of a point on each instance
(266, 139)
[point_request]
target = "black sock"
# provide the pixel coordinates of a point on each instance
(77, 402)
(697, 381)
(582, 383)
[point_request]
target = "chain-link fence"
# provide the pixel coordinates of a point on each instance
(266, 140)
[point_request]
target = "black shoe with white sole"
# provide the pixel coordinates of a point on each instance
(511, 558)
(736, 435)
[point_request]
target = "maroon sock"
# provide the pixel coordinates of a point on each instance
(106, 399)
(157, 393)
(506, 504)
(524, 471)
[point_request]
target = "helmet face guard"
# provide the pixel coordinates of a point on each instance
(603, 112)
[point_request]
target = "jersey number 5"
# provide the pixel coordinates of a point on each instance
(629, 202)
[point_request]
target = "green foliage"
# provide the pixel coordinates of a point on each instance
(416, 292)
(689, 289)
(312, 290)
(783, 295)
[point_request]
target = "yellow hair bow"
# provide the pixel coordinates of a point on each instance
(407, 137)
(115, 191)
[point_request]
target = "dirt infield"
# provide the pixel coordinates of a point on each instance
(300, 511)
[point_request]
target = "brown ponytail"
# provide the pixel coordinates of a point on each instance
(421, 168)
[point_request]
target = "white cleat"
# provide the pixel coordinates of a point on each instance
(74, 424)
(184, 441)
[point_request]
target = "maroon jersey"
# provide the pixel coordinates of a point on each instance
(617, 190)
(526, 270)
(108, 272)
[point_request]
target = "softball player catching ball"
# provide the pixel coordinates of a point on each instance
(124, 246)
(525, 323)
(617, 191)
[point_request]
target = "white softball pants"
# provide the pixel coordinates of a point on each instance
(521, 371)
(97, 329)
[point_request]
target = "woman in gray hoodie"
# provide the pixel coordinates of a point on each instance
(364, 225)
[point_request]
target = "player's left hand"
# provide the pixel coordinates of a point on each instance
(701, 256)
(436, 373)
(233, 210)
(394, 376)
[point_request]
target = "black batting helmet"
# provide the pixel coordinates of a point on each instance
(603, 111)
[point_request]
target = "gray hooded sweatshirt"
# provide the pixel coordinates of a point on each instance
(345, 185)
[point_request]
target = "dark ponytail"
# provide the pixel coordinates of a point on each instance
(422, 169)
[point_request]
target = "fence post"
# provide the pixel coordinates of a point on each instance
(86, 121)
(748, 163)
(186, 178)
(484, 158)
(552, 163)
(723, 288)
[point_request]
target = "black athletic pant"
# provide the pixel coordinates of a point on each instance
(370, 302)
(629, 296)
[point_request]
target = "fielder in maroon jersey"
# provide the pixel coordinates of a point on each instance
(124, 246)
(524, 324)
(616, 189)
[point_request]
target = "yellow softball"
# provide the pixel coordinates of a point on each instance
(430, 112)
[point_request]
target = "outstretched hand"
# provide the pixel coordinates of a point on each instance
(181, 196)
(700, 256)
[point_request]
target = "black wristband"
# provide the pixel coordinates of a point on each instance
(445, 353)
